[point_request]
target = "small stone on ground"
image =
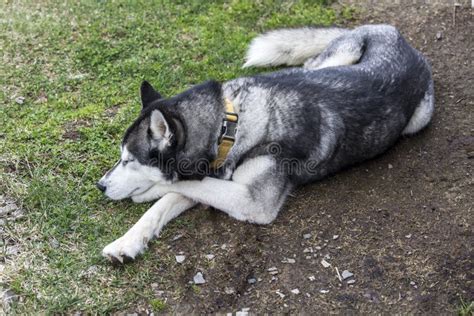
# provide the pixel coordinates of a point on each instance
(295, 291)
(280, 293)
(346, 274)
(20, 100)
(325, 263)
(199, 278)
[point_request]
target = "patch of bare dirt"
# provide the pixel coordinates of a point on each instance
(72, 129)
(402, 223)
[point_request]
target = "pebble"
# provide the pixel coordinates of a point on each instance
(306, 250)
(229, 290)
(209, 256)
(408, 236)
(318, 248)
(180, 258)
(288, 260)
(280, 293)
(351, 281)
(243, 312)
(199, 279)
(54, 243)
(439, 35)
(177, 237)
(251, 280)
(307, 236)
(390, 166)
(312, 278)
(325, 263)
(272, 269)
(295, 291)
(20, 100)
(324, 291)
(346, 274)
(335, 237)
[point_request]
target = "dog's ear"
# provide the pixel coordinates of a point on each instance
(148, 94)
(159, 128)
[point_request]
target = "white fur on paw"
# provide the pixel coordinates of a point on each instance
(125, 247)
(142, 198)
(153, 194)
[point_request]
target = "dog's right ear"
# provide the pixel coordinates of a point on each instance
(148, 94)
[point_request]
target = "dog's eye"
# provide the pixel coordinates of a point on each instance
(125, 162)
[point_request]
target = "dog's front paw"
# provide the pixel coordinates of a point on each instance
(125, 249)
(154, 193)
(142, 198)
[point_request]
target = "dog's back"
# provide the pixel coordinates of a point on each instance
(351, 100)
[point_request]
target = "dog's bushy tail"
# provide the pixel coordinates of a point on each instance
(289, 46)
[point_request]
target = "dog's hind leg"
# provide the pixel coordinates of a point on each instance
(136, 239)
(423, 113)
(343, 51)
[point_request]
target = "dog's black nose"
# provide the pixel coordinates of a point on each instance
(100, 187)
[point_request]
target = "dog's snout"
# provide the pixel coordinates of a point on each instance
(100, 186)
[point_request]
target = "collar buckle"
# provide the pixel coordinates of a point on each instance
(229, 127)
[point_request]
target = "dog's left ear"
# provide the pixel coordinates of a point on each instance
(159, 128)
(148, 94)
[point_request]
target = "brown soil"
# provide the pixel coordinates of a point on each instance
(404, 221)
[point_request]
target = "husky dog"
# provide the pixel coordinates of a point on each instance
(355, 94)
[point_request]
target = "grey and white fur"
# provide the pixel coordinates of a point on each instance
(355, 94)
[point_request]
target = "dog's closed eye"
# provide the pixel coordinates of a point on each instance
(125, 162)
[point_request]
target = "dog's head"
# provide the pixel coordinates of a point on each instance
(148, 149)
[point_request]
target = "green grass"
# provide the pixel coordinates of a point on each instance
(79, 64)
(466, 308)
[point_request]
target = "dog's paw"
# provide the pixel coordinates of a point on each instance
(125, 249)
(153, 194)
(143, 198)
